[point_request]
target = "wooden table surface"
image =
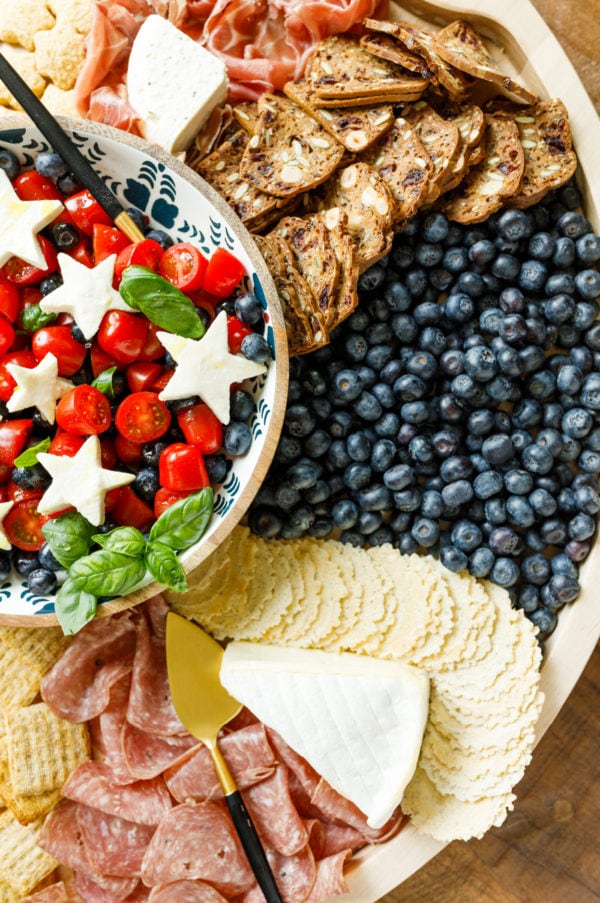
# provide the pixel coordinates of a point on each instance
(548, 850)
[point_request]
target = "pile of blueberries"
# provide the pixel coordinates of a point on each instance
(457, 410)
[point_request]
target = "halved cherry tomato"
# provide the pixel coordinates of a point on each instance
(153, 348)
(107, 240)
(129, 452)
(142, 417)
(84, 411)
(7, 335)
(23, 526)
(142, 375)
(24, 358)
(86, 211)
(146, 253)
(223, 273)
(131, 511)
(81, 252)
(184, 266)
(64, 443)
(13, 438)
(108, 455)
(18, 493)
(9, 300)
(201, 428)
(164, 498)
(59, 341)
(23, 273)
(181, 467)
(236, 333)
(100, 360)
(122, 335)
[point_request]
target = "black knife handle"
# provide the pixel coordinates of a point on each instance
(252, 847)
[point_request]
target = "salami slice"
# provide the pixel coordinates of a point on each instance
(107, 730)
(295, 877)
(55, 893)
(247, 753)
(114, 846)
(91, 892)
(143, 802)
(330, 878)
(327, 839)
(275, 816)
(150, 705)
(305, 773)
(186, 892)
(338, 809)
(197, 841)
(78, 686)
(148, 755)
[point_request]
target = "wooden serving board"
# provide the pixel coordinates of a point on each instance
(517, 35)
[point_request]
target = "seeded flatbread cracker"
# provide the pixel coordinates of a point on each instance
(355, 127)
(290, 152)
(488, 185)
(344, 248)
(401, 159)
(460, 45)
(23, 864)
(441, 140)
(385, 46)
(470, 122)
(246, 113)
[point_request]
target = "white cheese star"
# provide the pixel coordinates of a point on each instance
(38, 387)
(205, 367)
(79, 482)
(87, 293)
(20, 221)
(4, 541)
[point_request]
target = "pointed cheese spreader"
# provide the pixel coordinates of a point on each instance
(204, 707)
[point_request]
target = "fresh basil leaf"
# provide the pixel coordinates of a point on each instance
(106, 573)
(29, 457)
(160, 301)
(33, 317)
(163, 564)
(104, 382)
(184, 523)
(74, 607)
(69, 536)
(125, 540)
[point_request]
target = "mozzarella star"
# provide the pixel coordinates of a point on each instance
(20, 221)
(38, 387)
(79, 482)
(206, 368)
(87, 293)
(4, 509)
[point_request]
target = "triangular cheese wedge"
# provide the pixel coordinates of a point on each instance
(358, 721)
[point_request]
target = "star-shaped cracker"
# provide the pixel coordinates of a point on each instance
(205, 367)
(87, 293)
(38, 387)
(4, 540)
(79, 482)
(20, 221)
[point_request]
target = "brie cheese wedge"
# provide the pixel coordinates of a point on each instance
(358, 721)
(173, 84)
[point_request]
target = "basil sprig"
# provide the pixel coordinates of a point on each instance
(33, 318)
(29, 457)
(160, 301)
(124, 558)
(104, 382)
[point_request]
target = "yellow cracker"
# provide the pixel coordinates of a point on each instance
(343, 613)
(270, 593)
(475, 730)
(24, 62)
(7, 894)
(77, 12)
(414, 618)
(23, 864)
(59, 102)
(447, 818)
(21, 19)
(20, 684)
(40, 647)
(28, 808)
(375, 613)
(300, 578)
(60, 54)
(200, 601)
(327, 560)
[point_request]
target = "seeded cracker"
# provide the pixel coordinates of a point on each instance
(346, 298)
(388, 48)
(247, 115)
(470, 122)
(440, 138)
(22, 863)
(290, 152)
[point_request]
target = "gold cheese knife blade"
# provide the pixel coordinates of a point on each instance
(204, 707)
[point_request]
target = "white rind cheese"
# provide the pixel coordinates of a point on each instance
(173, 84)
(358, 721)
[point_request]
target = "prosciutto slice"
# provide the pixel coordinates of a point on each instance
(143, 802)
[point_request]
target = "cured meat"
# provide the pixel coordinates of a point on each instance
(144, 802)
(109, 105)
(186, 892)
(274, 815)
(303, 779)
(295, 877)
(337, 808)
(327, 839)
(114, 846)
(78, 686)
(247, 753)
(90, 892)
(150, 705)
(107, 732)
(148, 755)
(330, 878)
(197, 841)
(55, 893)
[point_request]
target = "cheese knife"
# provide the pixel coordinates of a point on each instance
(204, 707)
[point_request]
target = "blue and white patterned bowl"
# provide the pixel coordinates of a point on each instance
(177, 200)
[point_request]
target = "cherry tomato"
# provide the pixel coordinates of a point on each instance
(162, 381)
(7, 335)
(23, 273)
(84, 411)
(181, 467)
(86, 211)
(184, 266)
(164, 498)
(13, 438)
(142, 375)
(64, 443)
(23, 526)
(31, 186)
(5, 472)
(18, 493)
(100, 360)
(131, 511)
(58, 340)
(108, 454)
(236, 333)
(142, 417)
(128, 452)
(201, 428)
(9, 300)
(23, 358)
(146, 253)
(81, 253)
(107, 240)
(122, 335)
(153, 348)
(223, 273)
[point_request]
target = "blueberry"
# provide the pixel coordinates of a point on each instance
(545, 620)
(68, 184)
(355, 347)
(9, 162)
(482, 252)
(47, 559)
(372, 279)
(299, 421)
(459, 307)
(581, 527)
(216, 467)
(490, 320)
(431, 504)
(428, 254)
(398, 297)
(514, 225)
(487, 484)
(416, 282)
(382, 455)
(577, 423)
(560, 590)
(420, 449)
(504, 540)
(532, 276)
(535, 569)
(425, 531)
(42, 581)
(435, 227)
(146, 484)
(248, 309)
(422, 364)
(237, 438)
(358, 446)
(256, 348)
(63, 235)
(445, 442)
(34, 477)
(457, 467)
(265, 522)
(471, 283)
(466, 536)
(241, 405)
(453, 559)
(505, 572)
(51, 165)
(587, 248)
(457, 493)
(481, 562)
(562, 564)
(573, 225)
(587, 283)
(160, 237)
(408, 499)
(498, 449)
